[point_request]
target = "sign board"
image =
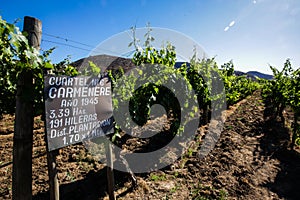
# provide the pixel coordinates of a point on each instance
(77, 109)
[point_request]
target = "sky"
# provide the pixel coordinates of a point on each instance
(252, 33)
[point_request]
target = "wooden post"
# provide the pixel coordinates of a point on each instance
(110, 171)
(52, 173)
(295, 127)
(23, 134)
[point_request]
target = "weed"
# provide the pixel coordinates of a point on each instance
(70, 177)
(174, 189)
(198, 189)
(229, 127)
(190, 152)
(223, 194)
(155, 177)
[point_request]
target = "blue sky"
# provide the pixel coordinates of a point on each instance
(252, 33)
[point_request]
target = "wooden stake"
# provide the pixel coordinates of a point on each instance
(52, 173)
(110, 172)
(23, 134)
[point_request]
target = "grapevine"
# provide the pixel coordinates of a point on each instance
(283, 91)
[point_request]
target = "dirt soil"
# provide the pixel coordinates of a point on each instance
(251, 160)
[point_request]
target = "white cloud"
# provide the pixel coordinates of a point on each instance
(232, 23)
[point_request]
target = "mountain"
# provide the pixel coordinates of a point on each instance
(114, 63)
(260, 75)
(254, 74)
(106, 62)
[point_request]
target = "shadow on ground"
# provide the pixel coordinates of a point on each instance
(92, 187)
(275, 143)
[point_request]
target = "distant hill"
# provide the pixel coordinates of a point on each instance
(254, 74)
(260, 75)
(113, 62)
(106, 62)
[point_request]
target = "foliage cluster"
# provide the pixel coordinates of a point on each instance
(236, 87)
(17, 56)
(282, 91)
(145, 85)
(201, 75)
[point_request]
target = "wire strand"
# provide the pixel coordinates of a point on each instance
(89, 50)
(69, 45)
(67, 40)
